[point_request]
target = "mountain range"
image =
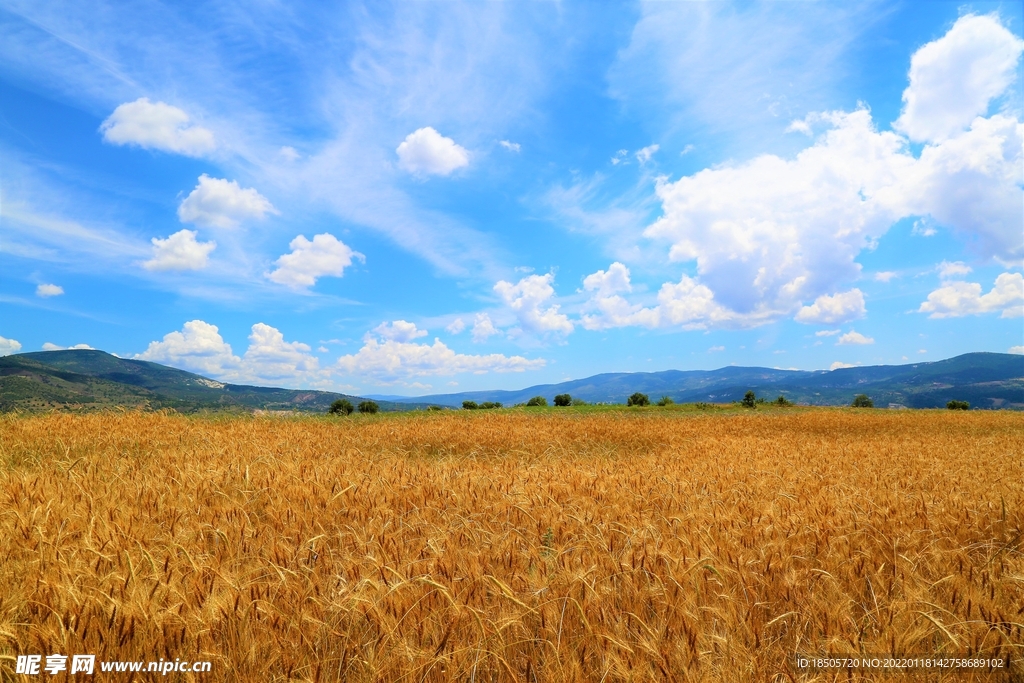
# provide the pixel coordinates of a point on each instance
(89, 379)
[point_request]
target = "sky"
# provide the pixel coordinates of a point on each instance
(431, 197)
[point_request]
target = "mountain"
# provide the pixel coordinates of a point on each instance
(986, 380)
(94, 379)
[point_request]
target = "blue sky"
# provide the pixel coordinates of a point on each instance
(430, 197)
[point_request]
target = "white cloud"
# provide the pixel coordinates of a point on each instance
(156, 125)
(526, 299)
(716, 349)
(839, 365)
(483, 328)
(959, 298)
(399, 331)
(838, 308)
(180, 251)
(511, 146)
(1016, 349)
(289, 153)
(827, 333)
(426, 151)
(610, 308)
(619, 157)
(46, 290)
(326, 255)
(49, 346)
(885, 275)
(390, 360)
(953, 79)
(923, 228)
(952, 269)
(456, 326)
(687, 150)
(221, 203)
(644, 155)
(269, 359)
(9, 346)
(853, 337)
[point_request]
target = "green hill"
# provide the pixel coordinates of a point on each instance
(90, 380)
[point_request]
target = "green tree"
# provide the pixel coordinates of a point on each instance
(579, 402)
(368, 407)
(783, 401)
(562, 400)
(342, 406)
(487, 405)
(469, 405)
(638, 399)
(749, 400)
(862, 401)
(665, 401)
(958, 405)
(537, 401)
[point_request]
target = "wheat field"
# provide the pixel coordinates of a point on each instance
(556, 545)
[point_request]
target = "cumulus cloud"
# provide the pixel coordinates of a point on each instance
(827, 333)
(220, 203)
(716, 349)
(528, 298)
(644, 155)
(456, 326)
(325, 255)
(200, 348)
(855, 338)
(483, 328)
(427, 152)
(9, 346)
(45, 291)
(49, 346)
(960, 298)
(390, 360)
(180, 251)
(510, 146)
(839, 365)
(953, 79)
(837, 308)
(156, 125)
(1016, 349)
(607, 307)
(952, 269)
(400, 331)
(885, 275)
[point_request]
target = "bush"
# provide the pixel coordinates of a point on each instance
(435, 408)
(469, 405)
(563, 400)
(342, 406)
(579, 402)
(487, 405)
(638, 399)
(536, 401)
(783, 401)
(368, 407)
(862, 401)
(958, 405)
(749, 400)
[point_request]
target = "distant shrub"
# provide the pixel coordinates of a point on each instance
(783, 401)
(958, 405)
(536, 401)
(749, 400)
(638, 399)
(703, 406)
(435, 408)
(368, 407)
(862, 401)
(665, 401)
(342, 406)
(487, 405)
(563, 400)
(469, 405)
(579, 402)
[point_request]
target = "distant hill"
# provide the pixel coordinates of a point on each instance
(986, 380)
(86, 379)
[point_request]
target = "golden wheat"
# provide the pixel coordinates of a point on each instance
(505, 545)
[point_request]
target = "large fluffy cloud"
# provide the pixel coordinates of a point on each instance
(529, 299)
(839, 308)
(220, 203)
(9, 346)
(269, 359)
(953, 79)
(389, 359)
(959, 298)
(156, 125)
(426, 151)
(324, 255)
(180, 251)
